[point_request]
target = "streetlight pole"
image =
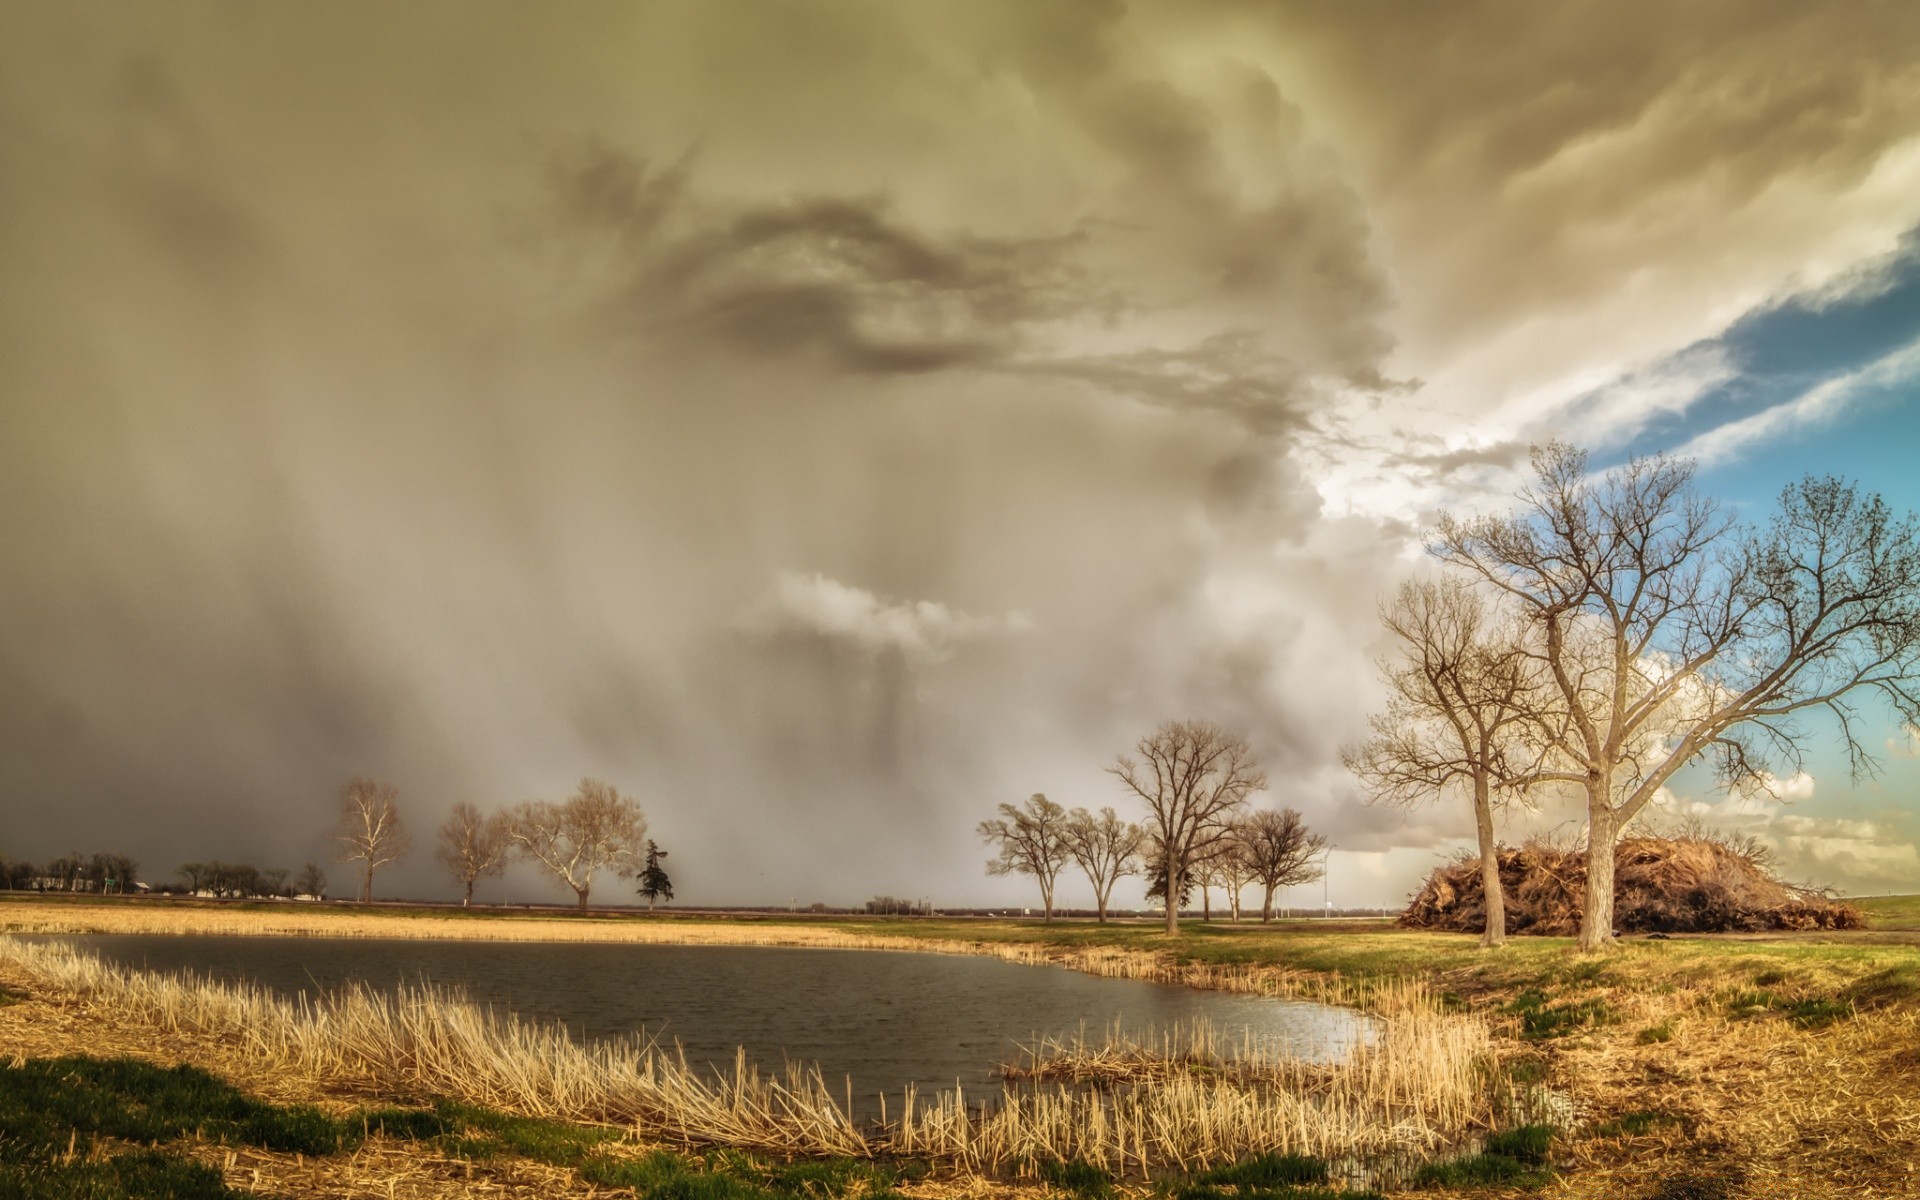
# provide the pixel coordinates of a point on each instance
(1326, 884)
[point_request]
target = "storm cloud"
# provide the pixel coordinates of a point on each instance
(824, 421)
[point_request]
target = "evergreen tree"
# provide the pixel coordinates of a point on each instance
(654, 884)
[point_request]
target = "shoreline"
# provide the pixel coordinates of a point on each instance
(156, 918)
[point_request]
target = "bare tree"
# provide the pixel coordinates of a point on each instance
(1225, 868)
(1193, 776)
(1032, 841)
(1465, 704)
(473, 847)
(1672, 634)
(596, 829)
(1106, 848)
(311, 881)
(1279, 850)
(370, 830)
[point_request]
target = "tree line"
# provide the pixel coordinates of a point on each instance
(1196, 781)
(102, 873)
(1618, 626)
(591, 833)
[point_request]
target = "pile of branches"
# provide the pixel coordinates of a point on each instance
(1696, 883)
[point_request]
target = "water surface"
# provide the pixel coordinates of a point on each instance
(879, 1020)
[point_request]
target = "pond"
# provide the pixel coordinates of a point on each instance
(880, 1020)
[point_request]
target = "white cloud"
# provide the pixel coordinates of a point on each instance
(1814, 406)
(922, 630)
(1798, 786)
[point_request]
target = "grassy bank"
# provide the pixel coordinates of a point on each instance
(1421, 1081)
(1721, 1067)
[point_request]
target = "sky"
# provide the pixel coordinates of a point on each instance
(827, 421)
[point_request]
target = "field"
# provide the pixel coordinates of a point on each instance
(1891, 912)
(1690, 1067)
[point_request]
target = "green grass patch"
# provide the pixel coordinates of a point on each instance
(1750, 1002)
(142, 1175)
(1813, 1012)
(1892, 985)
(1637, 1123)
(1541, 1019)
(1654, 1035)
(1696, 1186)
(46, 1103)
(1818, 1012)
(1077, 1178)
(1265, 1177)
(54, 1112)
(1511, 1158)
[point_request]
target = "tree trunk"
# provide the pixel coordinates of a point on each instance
(1596, 918)
(1266, 906)
(1206, 904)
(1046, 904)
(1174, 879)
(1496, 897)
(1102, 898)
(366, 886)
(582, 893)
(466, 901)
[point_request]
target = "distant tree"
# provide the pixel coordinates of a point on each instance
(111, 873)
(472, 847)
(1279, 851)
(67, 871)
(654, 884)
(885, 906)
(370, 833)
(1032, 841)
(1106, 848)
(1225, 868)
(17, 875)
(311, 881)
(195, 873)
(1193, 776)
(597, 829)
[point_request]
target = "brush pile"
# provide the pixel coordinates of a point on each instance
(1685, 884)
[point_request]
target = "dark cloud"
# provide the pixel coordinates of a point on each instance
(843, 280)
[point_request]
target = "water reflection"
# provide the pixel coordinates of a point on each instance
(881, 1020)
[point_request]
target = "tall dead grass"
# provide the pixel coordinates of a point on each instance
(1421, 1079)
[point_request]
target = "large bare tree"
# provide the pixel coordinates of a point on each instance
(1032, 840)
(473, 847)
(1193, 777)
(370, 833)
(1279, 851)
(1673, 634)
(595, 830)
(1107, 849)
(1465, 704)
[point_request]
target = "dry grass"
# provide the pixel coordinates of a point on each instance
(1421, 1082)
(1189, 1098)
